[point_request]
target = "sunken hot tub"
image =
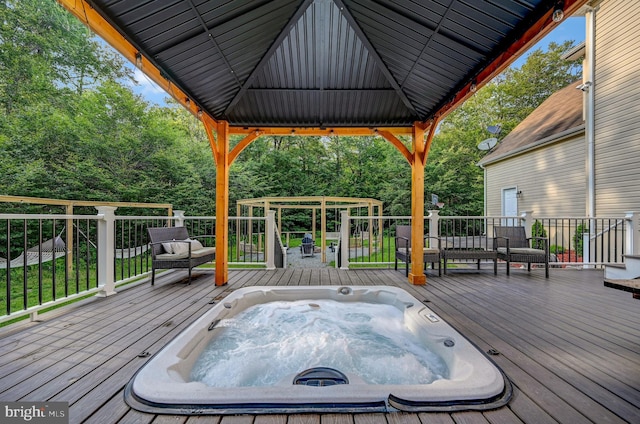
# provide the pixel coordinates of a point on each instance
(318, 349)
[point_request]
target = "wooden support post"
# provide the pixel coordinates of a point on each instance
(313, 223)
(420, 152)
(220, 147)
(416, 274)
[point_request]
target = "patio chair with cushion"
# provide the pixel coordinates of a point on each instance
(431, 254)
(171, 247)
(513, 245)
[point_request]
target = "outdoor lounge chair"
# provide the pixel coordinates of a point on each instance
(403, 249)
(171, 247)
(308, 246)
(513, 245)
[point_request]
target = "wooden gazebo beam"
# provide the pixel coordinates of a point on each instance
(315, 131)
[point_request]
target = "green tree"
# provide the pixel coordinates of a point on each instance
(45, 50)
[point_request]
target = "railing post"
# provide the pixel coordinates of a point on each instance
(344, 239)
(586, 250)
(179, 218)
(106, 250)
(527, 217)
(270, 240)
(434, 223)
(632, 246)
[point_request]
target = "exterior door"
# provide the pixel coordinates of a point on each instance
(509, 205)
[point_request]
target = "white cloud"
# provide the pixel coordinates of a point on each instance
(146, 88)
(146, 84)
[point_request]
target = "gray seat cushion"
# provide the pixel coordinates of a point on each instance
(426, 250)
(521, 251)
(184, 255)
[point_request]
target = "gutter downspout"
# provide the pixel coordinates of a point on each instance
(484, 184)
(589, 79)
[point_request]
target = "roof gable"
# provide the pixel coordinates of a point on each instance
(561, 112)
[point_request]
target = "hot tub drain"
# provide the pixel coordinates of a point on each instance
(320, 376)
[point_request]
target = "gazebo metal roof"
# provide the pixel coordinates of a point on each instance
(327, 63)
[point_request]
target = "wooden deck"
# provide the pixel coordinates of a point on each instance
(570, 345)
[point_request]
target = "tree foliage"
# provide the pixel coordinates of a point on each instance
(71, 128)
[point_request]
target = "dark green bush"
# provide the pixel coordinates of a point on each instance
(555, 249)
(577, 238)
(537, 230)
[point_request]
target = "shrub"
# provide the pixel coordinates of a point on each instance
(577, 238)
(556, 250)
(537, 230)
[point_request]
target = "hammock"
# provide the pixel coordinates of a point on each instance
(121, 253)
(131, 252)
(56, 247)
(37, 254)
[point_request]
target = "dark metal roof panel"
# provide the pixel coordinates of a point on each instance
(312, 59)
(305, 108)
(309, 62)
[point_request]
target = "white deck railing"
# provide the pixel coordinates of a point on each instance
(104, 250)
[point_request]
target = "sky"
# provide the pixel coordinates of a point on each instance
(573, 28)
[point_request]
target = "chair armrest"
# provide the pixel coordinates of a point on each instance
(544, 239)
(495, 242)
(434, 238)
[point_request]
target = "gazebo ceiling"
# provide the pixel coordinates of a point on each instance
(328, 63)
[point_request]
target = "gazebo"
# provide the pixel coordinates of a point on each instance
(389, 68)
(316, 204)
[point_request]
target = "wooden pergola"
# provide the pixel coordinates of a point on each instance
(315, 204)
(386, 68)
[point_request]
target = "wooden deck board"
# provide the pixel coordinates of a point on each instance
(537, 358)
(570, 345)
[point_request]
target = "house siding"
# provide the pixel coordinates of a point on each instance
(552, 180)
(617, 103)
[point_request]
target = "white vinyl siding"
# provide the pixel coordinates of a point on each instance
(617, 103)
(552, 180)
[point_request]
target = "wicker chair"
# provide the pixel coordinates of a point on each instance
(512, 245)
(163, 242)
(403, 249)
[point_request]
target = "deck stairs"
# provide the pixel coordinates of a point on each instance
(624, 276)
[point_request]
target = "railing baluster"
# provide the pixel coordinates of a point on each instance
(54, 285)
(25, 279)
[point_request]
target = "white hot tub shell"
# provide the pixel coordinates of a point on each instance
(163, 384)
